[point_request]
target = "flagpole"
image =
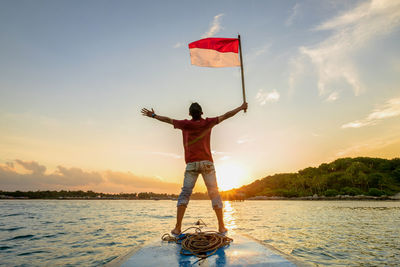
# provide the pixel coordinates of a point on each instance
(241, 70)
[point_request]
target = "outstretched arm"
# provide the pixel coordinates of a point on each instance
(233, 112)
(152, 114)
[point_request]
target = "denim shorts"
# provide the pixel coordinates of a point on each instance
(207, 170)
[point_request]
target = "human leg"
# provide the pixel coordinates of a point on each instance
(189, 181)
(180, 211)
(220, 217)
(210, 179)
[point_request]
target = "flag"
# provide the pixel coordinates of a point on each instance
(215, 52)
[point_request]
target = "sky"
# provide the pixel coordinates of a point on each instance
(322, 82)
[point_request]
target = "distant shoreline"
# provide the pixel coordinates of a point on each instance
(319, 198)
(258, 198)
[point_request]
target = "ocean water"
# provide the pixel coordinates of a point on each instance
(94, 232)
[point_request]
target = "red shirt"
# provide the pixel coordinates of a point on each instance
(196, 138)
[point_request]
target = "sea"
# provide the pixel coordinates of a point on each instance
(94, 232)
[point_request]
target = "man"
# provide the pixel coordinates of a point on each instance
(196, 141)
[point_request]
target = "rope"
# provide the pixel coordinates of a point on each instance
(200, 244)
(200, 222)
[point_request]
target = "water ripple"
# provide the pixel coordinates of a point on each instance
(11, 229)
(13, 214)
(21, 237)
(33, 252)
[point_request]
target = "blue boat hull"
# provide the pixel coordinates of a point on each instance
(243, 251)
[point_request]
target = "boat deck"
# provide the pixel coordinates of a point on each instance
(243, 251)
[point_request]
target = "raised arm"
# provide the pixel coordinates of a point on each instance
(233, 112)
(152, 114)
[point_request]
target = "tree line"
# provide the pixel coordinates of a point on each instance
(63, 194)
(344, 176)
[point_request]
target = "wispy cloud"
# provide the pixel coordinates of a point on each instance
(262, 50)
(390, 109)
(224, 158)
(333, 97)
(263, 97)
(178, 44)
(297, 69)
(258, 53)
(293, 14)
(214, 152)
(215, 26)
(351, 31)
(369, 147)
(244, 139)
(221, 155)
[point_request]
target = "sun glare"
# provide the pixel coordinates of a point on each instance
(230, 176)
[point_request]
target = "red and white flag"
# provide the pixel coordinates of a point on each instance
(215, 52)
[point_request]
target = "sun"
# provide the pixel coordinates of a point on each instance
(230, 176)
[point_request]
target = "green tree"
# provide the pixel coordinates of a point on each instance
(375, 192)
(331, 193)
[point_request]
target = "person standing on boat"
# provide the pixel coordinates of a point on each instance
(196, 141)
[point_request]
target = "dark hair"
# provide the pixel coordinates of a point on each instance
(195, 111)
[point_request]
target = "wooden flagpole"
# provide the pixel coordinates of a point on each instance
(241, 70)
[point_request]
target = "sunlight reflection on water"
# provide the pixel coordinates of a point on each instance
(229, 216)
(93, 232)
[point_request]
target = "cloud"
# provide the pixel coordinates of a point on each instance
(244, 139)
(178, 44)
(297, 70)
(215, 27)
(37, 178)
(293, 14)
(332, 97)
(373, 147)
(263, 97)
(77, 179)
(366, 11)
(218, 152)
(351, 31)
(222, 155)
(262, 50)
(10, 165)
(33, 166)
(390, 109)
(258, 53)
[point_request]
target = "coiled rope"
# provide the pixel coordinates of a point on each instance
(200, 244)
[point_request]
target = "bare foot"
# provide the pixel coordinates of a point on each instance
(176, 231)
(222, 230)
